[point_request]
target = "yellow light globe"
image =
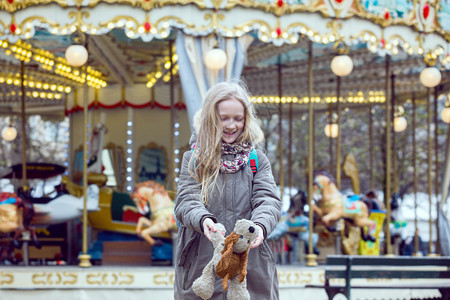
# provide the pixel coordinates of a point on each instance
(331, 130)
(76, 55)
(215, 59)
(341, 65)
(430, 77)
(9, 133)
(400, 124)
(445, 114)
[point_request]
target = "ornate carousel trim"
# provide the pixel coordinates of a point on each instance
(385, 37)
(422, 14)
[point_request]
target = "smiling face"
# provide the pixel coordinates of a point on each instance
(232, 116)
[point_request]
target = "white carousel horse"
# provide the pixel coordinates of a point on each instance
(65, 207)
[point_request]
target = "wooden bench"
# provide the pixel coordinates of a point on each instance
(381, 269)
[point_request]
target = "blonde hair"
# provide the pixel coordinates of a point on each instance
(205, 163)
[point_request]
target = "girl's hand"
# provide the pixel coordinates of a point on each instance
(208, 226)
(260, 237)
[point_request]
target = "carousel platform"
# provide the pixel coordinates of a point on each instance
(154, 282)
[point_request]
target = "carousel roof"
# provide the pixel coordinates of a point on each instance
(129, 43)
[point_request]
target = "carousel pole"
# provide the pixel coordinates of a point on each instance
(340, 236)
(311, 258)
(338, 141)
(172, 121)
(26, 235)
(371, 164)
(388, 159)
(430, 77)
(77, 56)
(280, 126)
(330, 138)
(290, 150)
(430, 165)
(394, 148)
(436, 167)
(415, 178)
(85, 259)
(24, 133)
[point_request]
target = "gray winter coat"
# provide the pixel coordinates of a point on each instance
(245, 196)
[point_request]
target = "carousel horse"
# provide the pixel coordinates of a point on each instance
(16, 214)
(334, 206)
(149, 195)
(66, 206)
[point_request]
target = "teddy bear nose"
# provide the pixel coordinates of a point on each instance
(251, 229)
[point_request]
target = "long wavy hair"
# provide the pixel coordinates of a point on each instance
(204, 165)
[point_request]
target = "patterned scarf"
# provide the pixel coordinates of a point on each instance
(241, 152)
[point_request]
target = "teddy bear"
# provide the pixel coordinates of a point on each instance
(229, 261)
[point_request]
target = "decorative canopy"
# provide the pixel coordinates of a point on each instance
(418, 26)
(414, 33)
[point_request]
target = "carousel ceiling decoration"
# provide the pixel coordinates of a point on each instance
(129, 42)
(417, 27)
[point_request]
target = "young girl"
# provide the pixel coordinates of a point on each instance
(217, 184)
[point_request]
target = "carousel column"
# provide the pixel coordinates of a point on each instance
(436, 166)
(340, 233)
(415, 178)
(394, 154)
(280, 127)
(393, 131)
(329, 131)
(387, 197)
(290, 150)
(430, 163)
(338, 141)
(84, 257)
(172, 122)
(311, 258)
(77, 56)
(70, 229)
(26, 234)
(371, 160)
(430, 77)
(24, 122)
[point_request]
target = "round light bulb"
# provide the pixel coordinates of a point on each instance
(445, 114)
(430, 77)
(215, 59)
(76, 55)
(400, 124)
(341, 65)
(331, 130)
(9, 133)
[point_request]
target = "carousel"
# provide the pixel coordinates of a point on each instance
(92, 215)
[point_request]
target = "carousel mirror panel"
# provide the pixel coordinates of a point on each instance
(152, 164)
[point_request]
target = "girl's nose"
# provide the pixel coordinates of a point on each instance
(230, 124)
